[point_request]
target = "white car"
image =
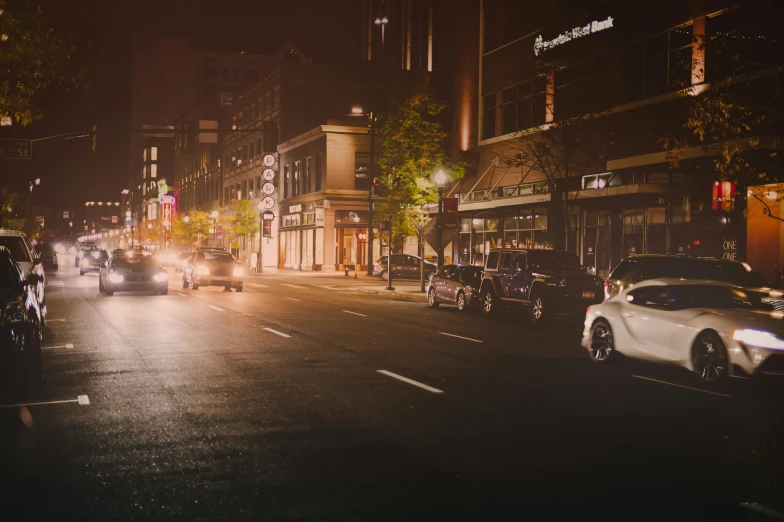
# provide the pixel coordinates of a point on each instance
(713, 329)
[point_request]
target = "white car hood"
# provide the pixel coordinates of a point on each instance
(736, 318)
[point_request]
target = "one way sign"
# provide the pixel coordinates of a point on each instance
(16, 149)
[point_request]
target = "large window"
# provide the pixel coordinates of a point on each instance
(488, 121)
(296, 181)
(583, 88)
(524, 105)
(319, 161)
(362, 171)
(286, 180)
(306, 177)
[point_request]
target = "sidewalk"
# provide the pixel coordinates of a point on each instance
(406, 289)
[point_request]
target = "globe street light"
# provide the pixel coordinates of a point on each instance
(441, 179)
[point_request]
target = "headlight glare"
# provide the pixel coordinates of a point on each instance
(116, 278)
(202, 270)
(758, 338)
(239, 271)
(85, 262)
(161, 277)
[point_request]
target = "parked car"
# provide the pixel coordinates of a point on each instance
(404, 266)
(133, 273)
(47, 255)
(27, 260)
(711, 328)
(544, 282)
(454, 284)
(21, 321)
(93, 260)
(635, 269)
(212, 268)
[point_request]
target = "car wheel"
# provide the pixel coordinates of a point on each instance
(461, 301)
(385, 275)
(195, 286)
(538, 312)
(184, 281)
(488, 302)
(238, 289)
(81, 272)
(709, 357)
(601, 344)
(108, 291)
(431, 299)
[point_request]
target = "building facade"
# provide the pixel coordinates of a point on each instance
(528, 68)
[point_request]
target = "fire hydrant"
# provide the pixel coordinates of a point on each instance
(345, 271)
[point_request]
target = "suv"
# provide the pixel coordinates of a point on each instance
(28, 261)
(634, 269)
(404, 266)
(544, 282)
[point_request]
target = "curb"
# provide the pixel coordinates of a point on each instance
(392, 293)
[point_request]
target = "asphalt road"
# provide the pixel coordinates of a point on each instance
(299, 400)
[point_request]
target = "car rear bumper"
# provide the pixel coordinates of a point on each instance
(217, 281)
(136, 286)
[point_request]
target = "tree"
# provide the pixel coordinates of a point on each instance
(191, 227)
(33, 57)
(561, 149)
(411, 143)
(7, 206)
(245, 221)
(734, 115)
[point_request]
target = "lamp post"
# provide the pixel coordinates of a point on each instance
(214, 215)
(441, 179)
(260, 207)
(382, 21)
(371, 172)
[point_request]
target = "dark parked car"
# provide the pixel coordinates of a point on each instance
(93, 260)
(20, 322)
(544, 282)
(133, 273)
(404, 266)
(634, 269)
(47, 255)
(454, 284)
(212, 268)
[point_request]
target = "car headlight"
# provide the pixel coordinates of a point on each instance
(14, 312)
(85, 262)
(161, 277)
(758, 338)
(116, 278)
(96, 255)
(239, 271)
(202, 270)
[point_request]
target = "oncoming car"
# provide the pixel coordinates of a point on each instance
(133, 273)
(212, 268)
(714, 329)
(93, 260)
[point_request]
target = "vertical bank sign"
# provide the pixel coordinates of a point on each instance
(541, 45)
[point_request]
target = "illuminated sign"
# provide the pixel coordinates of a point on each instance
(293, 209)
(166, 199)
(541, 46)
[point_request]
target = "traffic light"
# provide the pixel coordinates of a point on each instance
(95, 137)
(384, 226)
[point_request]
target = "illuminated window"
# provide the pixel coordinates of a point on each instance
(154, 170)
(154, 153)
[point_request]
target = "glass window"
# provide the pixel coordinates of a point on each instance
(492, 260)
(317, 172)
(154, 170)
(510, 239)
(652, 297)
(680, 210)
(295, 181)
(553, 260)
(728, 272)
(362, 171)
(154, 153)
(306, 177)
(470, 273)
(491, 224)
(540, 219)
(16, 247)
(465, 225)
(506, 260)
(656, 215)
(488, 126)
(286, 180)
(478, 224)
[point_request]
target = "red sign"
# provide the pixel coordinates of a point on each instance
(450, 213)
(218, 232)
(723, 195)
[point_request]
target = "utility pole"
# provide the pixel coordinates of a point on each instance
(370, 193)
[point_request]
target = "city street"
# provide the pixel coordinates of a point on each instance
(301, 399)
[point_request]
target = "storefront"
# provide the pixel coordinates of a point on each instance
(351, 235)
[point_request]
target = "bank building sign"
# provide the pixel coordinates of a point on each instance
(541, 45)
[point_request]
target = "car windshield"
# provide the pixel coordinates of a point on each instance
(217, 257)
(730, 272)
(715, 296)
(16, 246)
(553, 260)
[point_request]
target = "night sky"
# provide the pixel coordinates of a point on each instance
(325, 30)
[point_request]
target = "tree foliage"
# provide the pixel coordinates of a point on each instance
(245, 221)
(33, 57)
(187, 227)
(7, 206)
(736, 117)
(411, 143)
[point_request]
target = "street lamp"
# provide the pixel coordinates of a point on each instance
(441, 179)
(382, 21)
(260, 207)
(358, 111)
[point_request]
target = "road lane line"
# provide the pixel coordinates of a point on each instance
(275, 332)
(292, 299)
(410, 381)
(681, 386)
(82, 400)
(294, 286)
(216, 308)
(67, 346)
(55, 320)
(355, 313)
(257, 285)
(461, 337)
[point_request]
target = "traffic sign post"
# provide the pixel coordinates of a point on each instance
(16, 149)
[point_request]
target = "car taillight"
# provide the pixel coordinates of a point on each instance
(606, 283)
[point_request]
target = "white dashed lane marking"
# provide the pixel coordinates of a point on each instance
(216, 308)
(275, 332)
(294, 286)
(67, 346)
(681, 386)
(461, 337)
(410, 381)
(82, 400)
(355, 313)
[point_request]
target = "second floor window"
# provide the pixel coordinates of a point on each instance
(295, 187)
(362, 171)
(286, 180)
